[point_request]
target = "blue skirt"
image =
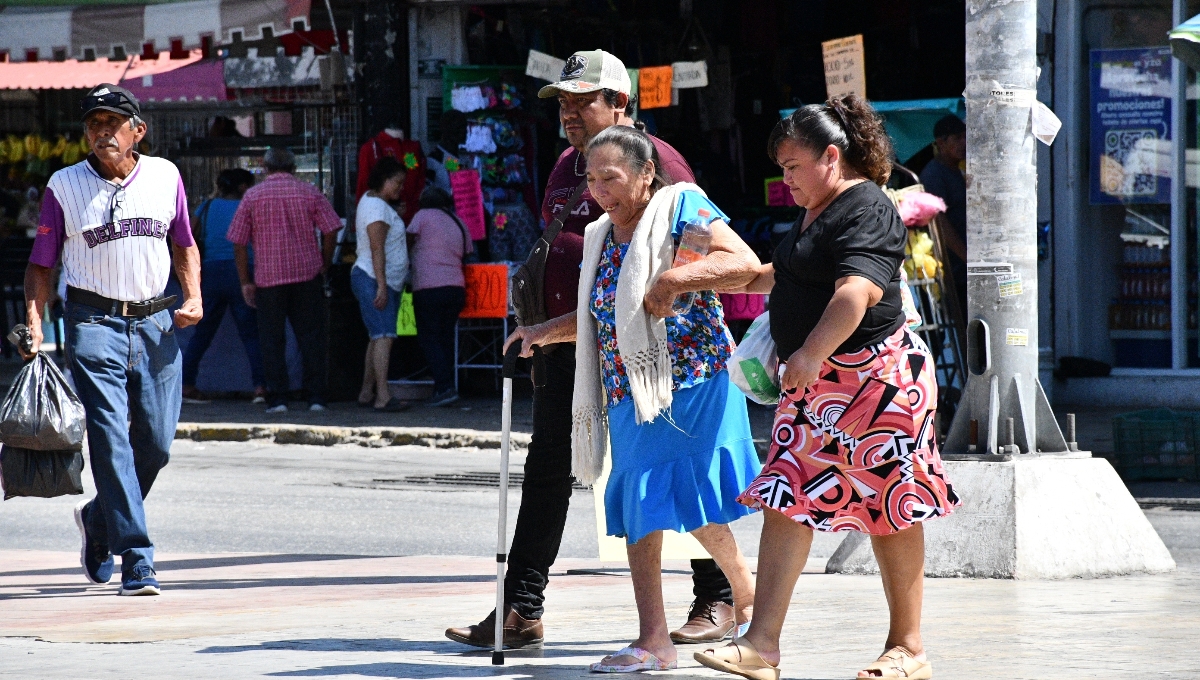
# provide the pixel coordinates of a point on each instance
(683, 472)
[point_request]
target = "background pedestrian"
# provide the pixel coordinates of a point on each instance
(220, 286)
(943, 177)
(440, 243)
(278, 217)
(378, 277)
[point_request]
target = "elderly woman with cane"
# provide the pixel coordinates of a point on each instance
(652, 382)
(854, 446)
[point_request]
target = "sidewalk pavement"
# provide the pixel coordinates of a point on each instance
(251, 615)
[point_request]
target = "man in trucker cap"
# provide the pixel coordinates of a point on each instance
(593, 93)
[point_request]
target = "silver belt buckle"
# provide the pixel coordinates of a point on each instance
(124, 308)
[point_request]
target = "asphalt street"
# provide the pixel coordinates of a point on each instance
(218, 497)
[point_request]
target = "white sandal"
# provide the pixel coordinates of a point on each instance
(645, 662)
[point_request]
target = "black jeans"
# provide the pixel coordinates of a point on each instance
(546, 493)
(436, 311)
(303, 304)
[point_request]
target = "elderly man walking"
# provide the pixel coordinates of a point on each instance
(108, 219)
(593, 94)
(278, 217)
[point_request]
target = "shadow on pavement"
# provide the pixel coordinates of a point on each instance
(205, 563)
(238, 584)
(340, 645)
(451, 650)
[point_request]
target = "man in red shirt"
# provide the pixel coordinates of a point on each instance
(593, 94)
(277, 217)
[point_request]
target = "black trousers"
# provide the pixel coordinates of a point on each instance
(303, 304)
(436, 311)
(546, 493)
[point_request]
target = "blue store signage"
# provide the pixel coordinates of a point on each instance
(1131, 126)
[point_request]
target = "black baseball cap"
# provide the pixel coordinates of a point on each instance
(947, 125)
(109, 97)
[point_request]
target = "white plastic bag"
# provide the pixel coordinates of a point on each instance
(754, 366)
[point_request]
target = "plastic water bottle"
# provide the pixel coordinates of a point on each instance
(693, 246)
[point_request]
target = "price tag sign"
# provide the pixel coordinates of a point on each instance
(468, 201)
(845, 72)
(487, 291)
(685, 74)
(654, 87)
(544, 66)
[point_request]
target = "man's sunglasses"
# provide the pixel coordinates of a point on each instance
(115, 100)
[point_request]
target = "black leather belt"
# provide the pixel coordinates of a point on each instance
(113, 307)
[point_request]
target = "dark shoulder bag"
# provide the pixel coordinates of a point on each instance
(468, 255)
(528, 283)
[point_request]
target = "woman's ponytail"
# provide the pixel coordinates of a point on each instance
(847, 122)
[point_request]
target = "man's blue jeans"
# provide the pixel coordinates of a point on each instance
(127, 374)
(221, 289)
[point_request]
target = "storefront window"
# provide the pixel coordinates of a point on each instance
(1130, 188)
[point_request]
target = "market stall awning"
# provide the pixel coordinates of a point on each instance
(198, 81)
(103, 30)
(72, 74)
(1185, 42)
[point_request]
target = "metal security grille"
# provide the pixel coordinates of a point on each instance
(447, 481)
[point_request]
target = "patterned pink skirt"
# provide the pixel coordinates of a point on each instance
(858, 450)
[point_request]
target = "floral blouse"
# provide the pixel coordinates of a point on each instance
(699, 341)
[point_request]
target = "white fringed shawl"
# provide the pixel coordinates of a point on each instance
(641, 337)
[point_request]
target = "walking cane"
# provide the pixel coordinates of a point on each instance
(509, 372)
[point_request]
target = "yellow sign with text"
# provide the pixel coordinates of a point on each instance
(845, 72)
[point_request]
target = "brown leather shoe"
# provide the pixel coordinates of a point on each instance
(707, 622)
(518, 632)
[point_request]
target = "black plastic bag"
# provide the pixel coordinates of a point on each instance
(40, 474)
(40, 411)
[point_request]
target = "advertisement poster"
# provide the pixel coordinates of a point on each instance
(845, 70)
(1131, 126)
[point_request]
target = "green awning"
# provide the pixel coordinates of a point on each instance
(910, 122)
(1185, 42)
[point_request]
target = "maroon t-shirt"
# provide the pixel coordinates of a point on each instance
(566, 253)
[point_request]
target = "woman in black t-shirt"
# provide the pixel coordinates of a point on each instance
(854, 445)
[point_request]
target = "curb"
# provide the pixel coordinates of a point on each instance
(374, 437)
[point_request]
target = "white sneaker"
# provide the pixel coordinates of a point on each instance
(282, 408)
(316, 407)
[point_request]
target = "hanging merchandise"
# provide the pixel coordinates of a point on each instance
(505, 135)
(409, 153)
(509, 96)
(514, 232)
(479, 139)
(468, 98)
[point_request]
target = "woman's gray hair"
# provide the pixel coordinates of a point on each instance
(279, 159)
(636, 149)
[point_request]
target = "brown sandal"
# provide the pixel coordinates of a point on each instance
(740, 658)
(898, 662)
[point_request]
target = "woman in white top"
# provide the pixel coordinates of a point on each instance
(378, 276)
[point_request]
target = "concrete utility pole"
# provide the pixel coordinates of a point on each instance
(1033, 505)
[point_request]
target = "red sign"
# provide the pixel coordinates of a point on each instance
(778, 193)
(468, 202)
(487, 291)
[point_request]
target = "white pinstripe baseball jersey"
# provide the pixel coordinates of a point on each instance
(112, 236)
